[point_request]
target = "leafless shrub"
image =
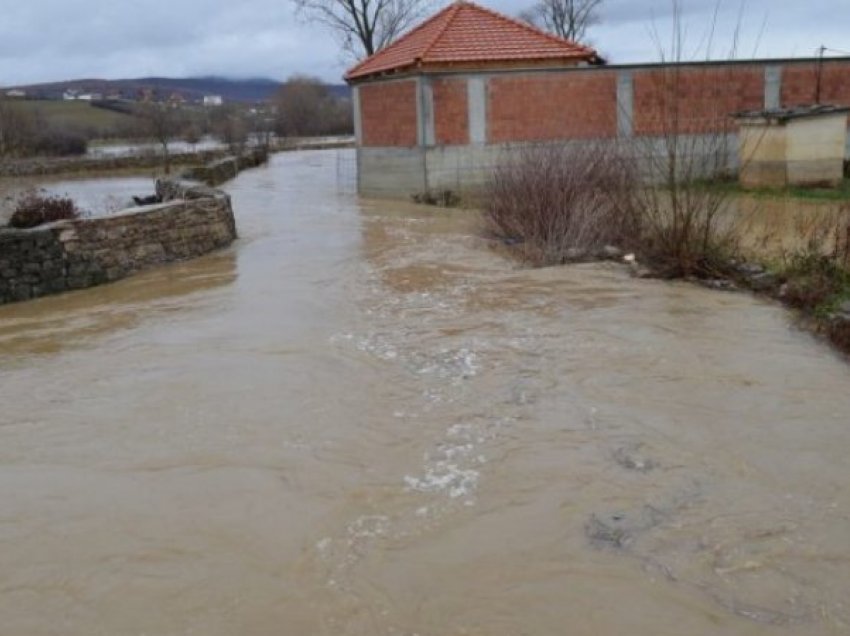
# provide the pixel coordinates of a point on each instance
(817, 271)
(686, 227)
(563, 202)
(686, 230)
(35, 209)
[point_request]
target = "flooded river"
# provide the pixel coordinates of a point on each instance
(361, 420)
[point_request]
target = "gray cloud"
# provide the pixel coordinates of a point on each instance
(44, 40)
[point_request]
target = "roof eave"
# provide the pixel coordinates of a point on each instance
(428, 67)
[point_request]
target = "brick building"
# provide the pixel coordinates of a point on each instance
(441, 105)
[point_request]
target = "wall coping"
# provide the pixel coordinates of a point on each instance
(635, 66)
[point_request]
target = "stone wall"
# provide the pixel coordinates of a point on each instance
(226, 168)
(82, 253)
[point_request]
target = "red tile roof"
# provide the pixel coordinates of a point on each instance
(465, 32)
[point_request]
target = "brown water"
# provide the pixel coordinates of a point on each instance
(360, 420)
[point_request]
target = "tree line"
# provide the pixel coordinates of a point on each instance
(303, 106)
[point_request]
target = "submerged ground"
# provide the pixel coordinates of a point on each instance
(360, 420)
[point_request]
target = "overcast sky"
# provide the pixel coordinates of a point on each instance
(47, 40)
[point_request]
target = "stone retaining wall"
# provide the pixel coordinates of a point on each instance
(85, 252)
(226, 168)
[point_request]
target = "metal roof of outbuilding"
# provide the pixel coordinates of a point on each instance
(782, 115)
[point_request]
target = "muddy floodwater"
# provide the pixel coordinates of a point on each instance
(361, 420)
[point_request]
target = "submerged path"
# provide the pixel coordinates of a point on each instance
(362, 421)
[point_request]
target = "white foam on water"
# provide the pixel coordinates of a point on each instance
(368, 527)
(324, 544)
(445, 477)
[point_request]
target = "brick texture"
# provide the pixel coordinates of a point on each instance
(451, 112)
(535, 107)
(696, 100)
(388, 113)
(583, 104)
(799, 84)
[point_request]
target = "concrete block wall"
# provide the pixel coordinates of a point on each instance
(388, 171)
(81, 253)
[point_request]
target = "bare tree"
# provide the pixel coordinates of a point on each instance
(18, 129)
(306, 107)
(5, 125)
(568, 19)
(161, 121)
(230, 124)
(364, 27)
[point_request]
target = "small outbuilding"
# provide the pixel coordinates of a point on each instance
(801, 146)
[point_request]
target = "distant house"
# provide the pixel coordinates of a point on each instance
(213, 100)
(16, 93)
(73, 94)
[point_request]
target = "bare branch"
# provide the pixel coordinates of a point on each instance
(364, 27)
(568, 19)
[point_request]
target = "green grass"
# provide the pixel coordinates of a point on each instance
(81, 116)
(841, 193)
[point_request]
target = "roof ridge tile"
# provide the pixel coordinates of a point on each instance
(529, 27)
(453, 11)
(466, 32)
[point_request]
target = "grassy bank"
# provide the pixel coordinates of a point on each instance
(841, 193)
(77, 115)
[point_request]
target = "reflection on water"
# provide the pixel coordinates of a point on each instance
(361, 420)
(50, 324)
(135, 149)
(93, 196)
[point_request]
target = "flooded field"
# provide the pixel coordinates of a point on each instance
(360, 420)
(98, 196)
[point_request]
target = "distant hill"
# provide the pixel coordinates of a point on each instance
(191, 88)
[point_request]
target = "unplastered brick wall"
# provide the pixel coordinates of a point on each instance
(82, 253)
(543, 106)
(388, 113)
(694, 100)
(451, 112)
(800, 84)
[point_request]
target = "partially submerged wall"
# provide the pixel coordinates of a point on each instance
(82, 253)
(226, 168)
